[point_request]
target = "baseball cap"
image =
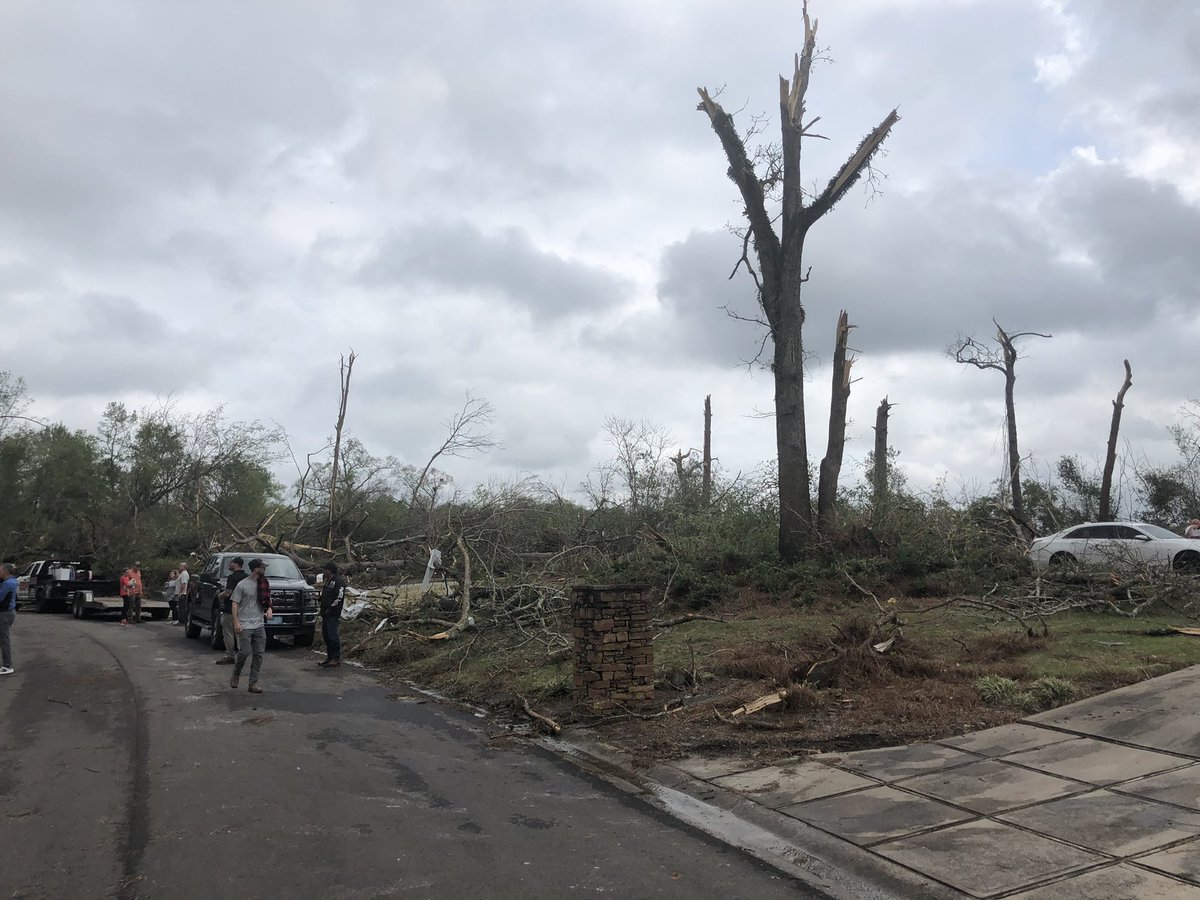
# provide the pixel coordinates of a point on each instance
(238, 560)
(257, 563)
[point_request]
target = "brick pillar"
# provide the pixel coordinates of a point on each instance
(614, 659)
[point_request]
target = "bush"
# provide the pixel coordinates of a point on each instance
(997, 691)
(1049, 692)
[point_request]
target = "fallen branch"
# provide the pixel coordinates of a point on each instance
(771, 699)
(689, 617)
(542, 720)
(747, 723)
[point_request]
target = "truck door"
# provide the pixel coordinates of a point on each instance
(27, 582)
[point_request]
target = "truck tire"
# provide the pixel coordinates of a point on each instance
(77, 607)
(217, 640)
(304, 638)
(191, 631)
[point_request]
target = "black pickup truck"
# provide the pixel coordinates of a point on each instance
(293, 600)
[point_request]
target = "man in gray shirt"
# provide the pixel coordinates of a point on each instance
(251, 607)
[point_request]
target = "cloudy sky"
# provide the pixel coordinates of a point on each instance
(518, 200)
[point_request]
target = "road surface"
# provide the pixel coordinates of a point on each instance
(130, 769)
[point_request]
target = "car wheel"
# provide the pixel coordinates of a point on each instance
(303, 639)
(1187, 561)
(1062, 559)
(217, 641)
(191, 630)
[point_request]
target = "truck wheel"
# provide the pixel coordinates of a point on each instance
(303, 638)
(217, 641)
(77, 608)
(191, 630)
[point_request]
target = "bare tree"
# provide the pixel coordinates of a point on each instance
(1110, 457)
(346, 368)
(831, 465)
(1003, 359)
(781, 273)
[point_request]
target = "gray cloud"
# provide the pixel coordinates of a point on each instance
(458, 257)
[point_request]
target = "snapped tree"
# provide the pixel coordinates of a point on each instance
(1003, 359)
(781, 274)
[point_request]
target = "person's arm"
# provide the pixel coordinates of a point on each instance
(237, 623)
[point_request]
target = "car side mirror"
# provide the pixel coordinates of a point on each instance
(208, 579)
(311, 579)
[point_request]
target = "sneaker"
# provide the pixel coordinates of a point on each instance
(124, 621)
(334, 664)
(254, 689)
(323, 663)
(176, 622)
(5, 670)
(225, 661)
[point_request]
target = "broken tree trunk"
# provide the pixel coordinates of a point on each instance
(879, 479)
(831, 465)
(347, 366)
(706, 484)
(781, 273)
(1110, 457)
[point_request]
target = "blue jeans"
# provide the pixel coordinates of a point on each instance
(329, 634)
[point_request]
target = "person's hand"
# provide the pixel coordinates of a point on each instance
(237, 626)
(270, 612)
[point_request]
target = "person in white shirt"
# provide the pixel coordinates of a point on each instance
(181, 593)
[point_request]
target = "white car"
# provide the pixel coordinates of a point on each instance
(1113, 544)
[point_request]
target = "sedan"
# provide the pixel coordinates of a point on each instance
(1113, 544)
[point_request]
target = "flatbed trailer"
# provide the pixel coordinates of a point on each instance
(68, 585)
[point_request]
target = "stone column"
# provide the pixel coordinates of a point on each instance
(614, 657)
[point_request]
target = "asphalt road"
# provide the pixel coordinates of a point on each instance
(129, 768)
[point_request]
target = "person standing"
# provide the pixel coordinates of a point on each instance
(251, 607)
(169, 592)
(182, 592)
(332, 596)
(236, 574)
(135, 593)
(8, 615)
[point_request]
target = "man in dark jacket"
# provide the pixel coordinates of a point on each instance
(236, 574)
(332, 595)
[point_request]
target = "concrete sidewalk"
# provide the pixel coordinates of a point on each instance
(1097, 799)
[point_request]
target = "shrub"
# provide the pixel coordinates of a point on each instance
(1049, 692)
(997, 691)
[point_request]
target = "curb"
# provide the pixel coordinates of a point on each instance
(826, 865)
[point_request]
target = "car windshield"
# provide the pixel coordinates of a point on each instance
(1161, 534)
(283, 568)
(280, 567)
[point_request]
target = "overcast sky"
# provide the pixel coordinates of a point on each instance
(212, 201)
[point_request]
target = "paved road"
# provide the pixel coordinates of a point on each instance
(129, 768)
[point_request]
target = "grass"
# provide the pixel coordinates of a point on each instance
(947, 672)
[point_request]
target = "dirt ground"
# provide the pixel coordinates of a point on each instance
(842, 693)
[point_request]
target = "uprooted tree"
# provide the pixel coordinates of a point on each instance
(781, 274)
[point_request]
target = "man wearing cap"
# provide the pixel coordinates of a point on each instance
(236, 574)
(251, 606)
(331, 613)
